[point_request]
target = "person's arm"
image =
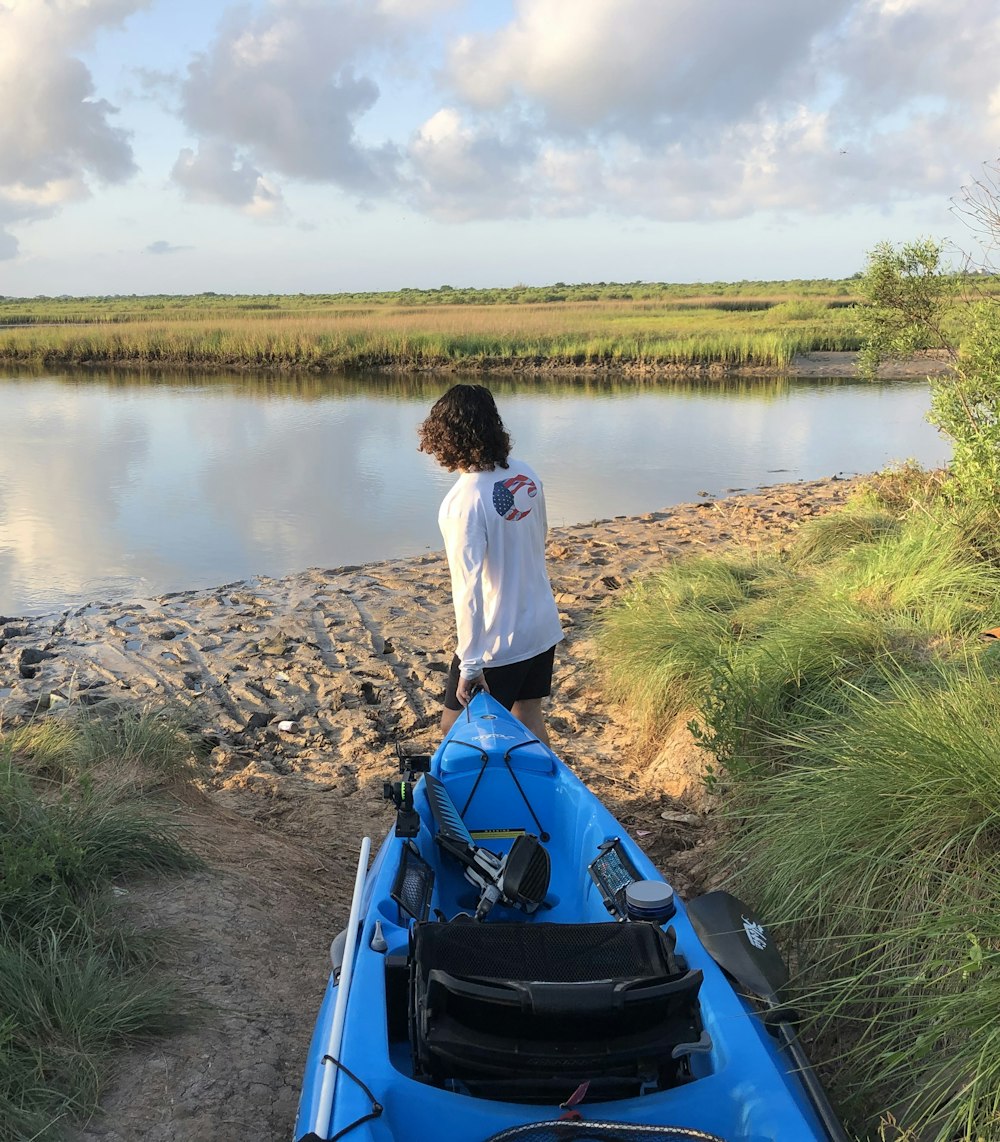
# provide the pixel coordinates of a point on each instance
(465, 544)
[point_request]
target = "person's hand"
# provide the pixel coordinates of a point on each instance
(469, 687)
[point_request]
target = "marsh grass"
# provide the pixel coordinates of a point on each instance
(858, 589)
(76, 980)
(123, 744)
(611, 330)
(879, 845)
(854, 717)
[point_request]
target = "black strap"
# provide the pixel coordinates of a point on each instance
(376, 1109)
(542, 834)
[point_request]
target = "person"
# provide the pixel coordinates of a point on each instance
(494, 524)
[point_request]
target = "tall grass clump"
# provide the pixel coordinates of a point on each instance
(859, 595)
(76, 980)
(878, 843)
(853, 717)
(124, 744)
(661, 643)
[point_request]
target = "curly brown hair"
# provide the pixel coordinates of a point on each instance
(464, 432)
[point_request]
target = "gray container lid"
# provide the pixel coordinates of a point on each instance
(649, 896)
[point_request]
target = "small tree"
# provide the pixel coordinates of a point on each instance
(908, 294)
(913, 301)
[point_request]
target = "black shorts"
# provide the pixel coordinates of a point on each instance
(519, 681)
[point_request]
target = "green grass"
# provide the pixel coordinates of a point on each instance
(852, 716)
(878, 844)
(641, 326)
(77, 981)
(859, 591)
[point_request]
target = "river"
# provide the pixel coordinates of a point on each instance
(116, 486)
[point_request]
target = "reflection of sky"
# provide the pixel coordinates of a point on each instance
(109, 491)
(633, 453)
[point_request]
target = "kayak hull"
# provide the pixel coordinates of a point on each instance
(738, 1082)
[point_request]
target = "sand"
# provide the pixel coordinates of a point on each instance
(299, 689)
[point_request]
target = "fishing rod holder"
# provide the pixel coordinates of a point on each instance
(400, 793)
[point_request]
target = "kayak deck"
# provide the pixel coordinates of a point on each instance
(459, 1028)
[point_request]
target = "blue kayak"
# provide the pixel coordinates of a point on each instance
(515, 967)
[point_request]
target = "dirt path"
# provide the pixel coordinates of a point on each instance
(300, 688)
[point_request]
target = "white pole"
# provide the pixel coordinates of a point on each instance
(325, 1108)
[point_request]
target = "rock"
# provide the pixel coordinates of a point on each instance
(681, 818)
(32, 657)
(679, 767)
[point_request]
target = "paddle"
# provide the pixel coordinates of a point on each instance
(741, 945)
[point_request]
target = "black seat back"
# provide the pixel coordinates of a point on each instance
(524, 1009)
(452, 835)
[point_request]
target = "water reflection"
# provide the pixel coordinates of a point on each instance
(410, 386)
(117, 484)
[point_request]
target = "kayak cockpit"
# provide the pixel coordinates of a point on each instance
(530, 1011)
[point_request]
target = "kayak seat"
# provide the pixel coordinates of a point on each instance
(530, 1010)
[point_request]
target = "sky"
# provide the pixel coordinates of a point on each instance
(316, 146)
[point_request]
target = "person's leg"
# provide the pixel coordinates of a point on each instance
(452, 706)
(528, 712)
(535, 686)
(448, 719)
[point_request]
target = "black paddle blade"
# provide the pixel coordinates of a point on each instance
(740, 944)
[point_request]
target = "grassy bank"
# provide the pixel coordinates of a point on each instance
(639, 327)
(77, 981)
(852, 715)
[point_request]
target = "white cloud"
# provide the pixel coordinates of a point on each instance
(639, 69)
(716, 109)
(216, 173)
(464, 173)
(283, 86)
(55, 136)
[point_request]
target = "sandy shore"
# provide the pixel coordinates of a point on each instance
(300, 687)
(932, 363)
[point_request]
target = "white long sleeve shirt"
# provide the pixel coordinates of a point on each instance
(494, 526)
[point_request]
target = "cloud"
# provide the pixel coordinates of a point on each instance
(55, 137)
(711, 110)
(163, 247)
(644, 71)
(464, 173)
(216, 173)
(283, 86)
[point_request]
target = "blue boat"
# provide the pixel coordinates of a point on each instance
(514, 967)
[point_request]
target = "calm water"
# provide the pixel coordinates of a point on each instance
(112, 487)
